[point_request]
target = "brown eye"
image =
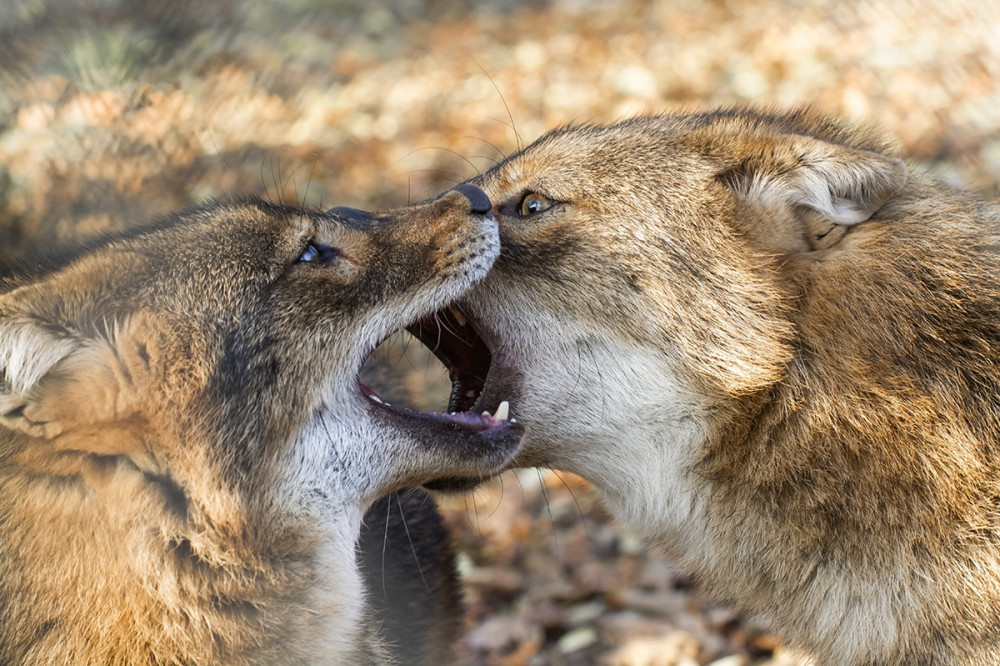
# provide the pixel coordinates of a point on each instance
(533, 203)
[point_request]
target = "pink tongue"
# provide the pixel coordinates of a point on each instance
(469, 420)
(466, 419)
(367, 391)
(475, 420)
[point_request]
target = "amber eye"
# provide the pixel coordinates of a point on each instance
(533, 203)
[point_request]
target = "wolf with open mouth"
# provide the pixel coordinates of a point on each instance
(774, 352)
(186, 452)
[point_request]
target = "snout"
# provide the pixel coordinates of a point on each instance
(479, 203)
(352, 217)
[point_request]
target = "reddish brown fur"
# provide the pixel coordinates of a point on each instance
(185, 451)
(777, 354)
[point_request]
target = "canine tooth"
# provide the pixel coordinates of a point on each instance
(376, 398)
(503, 411)
(487, 414)
(459, 317)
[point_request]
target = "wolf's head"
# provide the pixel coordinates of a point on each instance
(190, 389)
(645, 277)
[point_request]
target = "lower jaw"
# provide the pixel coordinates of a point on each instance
(503, 384)
(454, 485)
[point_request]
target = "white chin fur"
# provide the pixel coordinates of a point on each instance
(638, 449)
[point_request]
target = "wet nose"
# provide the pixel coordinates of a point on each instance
(351, 216)
(478, 201)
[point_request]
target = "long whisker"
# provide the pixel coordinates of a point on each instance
(442, 325)
(576, 501)
(211, 138)
(276, 176)
(499, 500)
(385, 540)
(460, 156)
(263, 181)
(413, 549)
(309, 180)
(548, 510)
(510, 116)
(492, 145)
(442, 174)
(600, 381)
(475, 509)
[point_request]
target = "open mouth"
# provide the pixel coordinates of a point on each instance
(404, 371)
(457, 344)
(466, 358)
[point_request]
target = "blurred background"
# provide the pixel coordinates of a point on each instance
(113, 112)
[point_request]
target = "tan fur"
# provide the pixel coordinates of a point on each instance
(185, 451)
(776, 354)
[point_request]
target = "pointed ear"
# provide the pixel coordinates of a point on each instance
(57, 385)
(96, 393)
(820, 187)
(78, 391)
(28, 352)
(844, 184)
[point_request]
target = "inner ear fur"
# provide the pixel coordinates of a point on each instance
(810, 191)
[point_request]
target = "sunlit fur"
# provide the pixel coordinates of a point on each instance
(185, 453)
(777, 355)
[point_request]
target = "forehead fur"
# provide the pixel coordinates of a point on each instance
(656, 137)
(174, 232)
(712, 198)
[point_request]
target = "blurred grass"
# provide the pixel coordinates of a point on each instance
(107, 58)
(157, 105)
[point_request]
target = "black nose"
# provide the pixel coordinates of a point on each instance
(477, 198)
(352, 217)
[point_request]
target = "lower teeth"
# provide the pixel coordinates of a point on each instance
(503, 411)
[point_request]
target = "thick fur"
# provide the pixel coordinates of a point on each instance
(185, 451)
(410, 573)
(777, 354)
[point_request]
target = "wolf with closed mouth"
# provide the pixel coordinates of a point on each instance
(775, 353)
(186, 453)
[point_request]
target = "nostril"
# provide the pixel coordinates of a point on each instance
(351, 216)
(480, 203)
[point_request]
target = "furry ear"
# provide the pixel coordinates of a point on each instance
(28, 351)
(844, 184)
(75, 390)
(821, 187)
(96, 392)
(55, 384)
